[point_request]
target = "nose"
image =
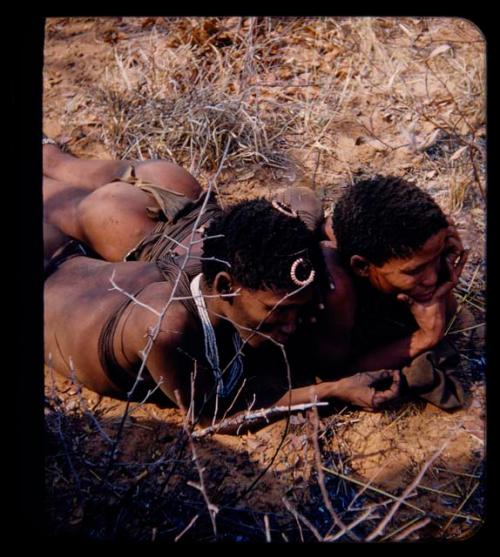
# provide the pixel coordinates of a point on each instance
(288, 328)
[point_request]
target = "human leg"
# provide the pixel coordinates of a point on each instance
(60, 205)
(88, 174)
(111, 219)
(92, 174)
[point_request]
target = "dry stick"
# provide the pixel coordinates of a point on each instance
(302, 518)
(412, 528)
(318, 151)
(461, 507)
(193, 520)
(463, 300)
(454, 473)
(212, 509)
(372, 488)
(321, 480)
(361, 518)
(156, 328)
(467, 329)
(401, 528)
(380, 528)
(266, 526)
(256, 415)
(356, 497)
(446, 493)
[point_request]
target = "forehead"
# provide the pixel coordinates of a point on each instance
(429, 251)
(270, 298)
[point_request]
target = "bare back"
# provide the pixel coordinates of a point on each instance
(80, 300)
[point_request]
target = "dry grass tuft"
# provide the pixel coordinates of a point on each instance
(317, 100)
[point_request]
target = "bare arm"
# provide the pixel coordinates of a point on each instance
(370, 391)
(431, 318)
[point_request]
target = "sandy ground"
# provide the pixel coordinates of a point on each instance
(372, 457)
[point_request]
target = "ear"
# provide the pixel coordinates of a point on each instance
(223, 284)
(360, 265)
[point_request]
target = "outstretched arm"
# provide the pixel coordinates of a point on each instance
(370, 391)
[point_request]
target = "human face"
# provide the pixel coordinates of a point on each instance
(418, 275)
(270, 313)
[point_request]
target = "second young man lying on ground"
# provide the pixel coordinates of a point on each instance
(215, 340)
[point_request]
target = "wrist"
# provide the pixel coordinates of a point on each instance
(422, 341)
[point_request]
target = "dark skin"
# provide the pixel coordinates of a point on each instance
(83, 199)
(79, 300)
(423, 281)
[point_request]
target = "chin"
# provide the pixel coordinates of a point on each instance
(261, 341)
(254, 341)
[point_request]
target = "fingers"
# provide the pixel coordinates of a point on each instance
(455, 270)
(377, 375)
(392, 392)
(459, 267)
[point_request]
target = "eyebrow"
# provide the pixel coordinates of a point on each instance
(282, 306)
(416, 268)
(421, 265)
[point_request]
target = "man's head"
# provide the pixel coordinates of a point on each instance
(393, 233)
(263, 255)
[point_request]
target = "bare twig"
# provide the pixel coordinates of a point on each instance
(191, 523)
(380, 528)
(302, 519)
(321, 480)
(251, 418)
(212, 509)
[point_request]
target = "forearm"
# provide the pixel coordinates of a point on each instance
(393, 355)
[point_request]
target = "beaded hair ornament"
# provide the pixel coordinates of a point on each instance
(289, 212)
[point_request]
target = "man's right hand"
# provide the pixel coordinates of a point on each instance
(430, 316)
(370, 389)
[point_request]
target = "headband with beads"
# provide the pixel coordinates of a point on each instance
(284, 208)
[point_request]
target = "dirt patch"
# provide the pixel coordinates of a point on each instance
(317, 102)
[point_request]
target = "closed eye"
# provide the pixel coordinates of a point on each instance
(415, 271)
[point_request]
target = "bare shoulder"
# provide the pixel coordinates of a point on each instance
(344, 290)
(156, 306)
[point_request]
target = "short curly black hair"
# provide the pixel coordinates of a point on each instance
(385, 217)
(260, 245)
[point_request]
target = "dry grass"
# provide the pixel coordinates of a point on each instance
(320, 101)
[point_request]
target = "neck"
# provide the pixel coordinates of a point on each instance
(215, 305)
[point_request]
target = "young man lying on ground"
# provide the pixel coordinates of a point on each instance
(404, 258)
(205, 333)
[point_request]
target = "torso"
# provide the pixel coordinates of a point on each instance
(78, 302)
(326, 342)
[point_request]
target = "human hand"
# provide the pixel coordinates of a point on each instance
(430, 315)
(369, 389)
(454, 251)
